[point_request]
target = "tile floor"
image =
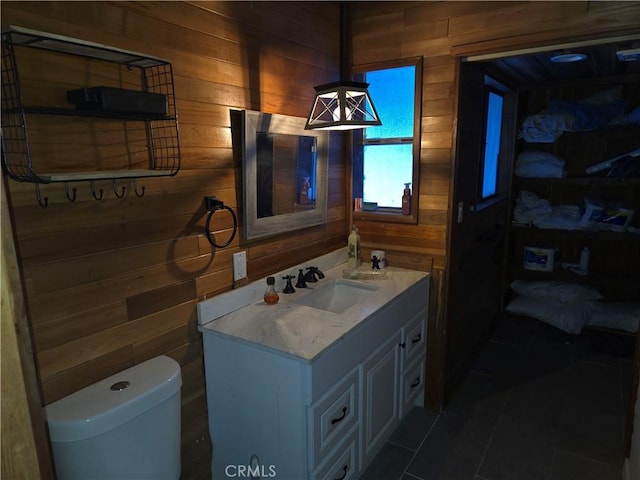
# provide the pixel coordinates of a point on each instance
(537, 404)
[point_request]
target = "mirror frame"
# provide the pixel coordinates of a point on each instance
(254, 227)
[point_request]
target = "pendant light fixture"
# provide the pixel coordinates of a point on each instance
(343, 105)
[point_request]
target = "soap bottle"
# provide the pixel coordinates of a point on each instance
(304, 191)
(406, 200)
(353, 243)
(270, 295)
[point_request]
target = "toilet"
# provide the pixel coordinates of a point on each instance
(126, 426)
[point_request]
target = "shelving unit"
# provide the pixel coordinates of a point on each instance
(615, 256)
(45, 140)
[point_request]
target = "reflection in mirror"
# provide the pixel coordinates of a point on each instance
(284, 171)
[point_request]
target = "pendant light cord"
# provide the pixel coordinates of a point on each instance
(344, 66)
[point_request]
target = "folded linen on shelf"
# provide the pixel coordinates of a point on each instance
(535, 164)
(532, 209)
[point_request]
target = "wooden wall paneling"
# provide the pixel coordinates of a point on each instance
(436, 341)
(54, 332)
(73, 271)
(499, 22)
(617, 18)
(112, 283)
(74, 353)
(25, 447)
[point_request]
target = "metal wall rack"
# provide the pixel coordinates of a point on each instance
(163, 143)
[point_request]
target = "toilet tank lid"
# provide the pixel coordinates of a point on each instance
(113, 401)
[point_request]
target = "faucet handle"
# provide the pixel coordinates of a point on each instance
(288, 287)
(301, 281)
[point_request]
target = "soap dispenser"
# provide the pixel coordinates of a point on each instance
(406, 200)
(353, 243)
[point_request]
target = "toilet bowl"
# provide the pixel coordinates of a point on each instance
(126, 426)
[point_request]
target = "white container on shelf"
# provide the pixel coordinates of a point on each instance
(540, 259)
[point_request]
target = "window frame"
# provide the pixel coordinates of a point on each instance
(490, 89)
(493, 83)
(390, 214)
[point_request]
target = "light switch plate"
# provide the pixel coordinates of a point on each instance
(239, 266)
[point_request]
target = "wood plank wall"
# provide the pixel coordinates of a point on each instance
(115, 282)
(441, 32)
(112, 283)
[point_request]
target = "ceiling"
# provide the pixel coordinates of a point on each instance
(602, 61)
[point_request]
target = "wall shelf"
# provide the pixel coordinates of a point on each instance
(92, 113)
(138, 132)
(615, 255)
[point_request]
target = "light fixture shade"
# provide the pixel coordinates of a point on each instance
(568, 57)
(342, 106)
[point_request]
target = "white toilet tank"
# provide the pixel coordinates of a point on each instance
(126, 426)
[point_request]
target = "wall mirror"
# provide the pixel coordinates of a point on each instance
(284, 170)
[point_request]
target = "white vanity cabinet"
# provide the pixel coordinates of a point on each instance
(381, 395)
(287, 417)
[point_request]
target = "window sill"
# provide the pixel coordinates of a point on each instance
(388, 215)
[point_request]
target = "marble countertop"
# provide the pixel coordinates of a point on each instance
(295, 329)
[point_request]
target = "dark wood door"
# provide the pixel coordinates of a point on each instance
(478, 226)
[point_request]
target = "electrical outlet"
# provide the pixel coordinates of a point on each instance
(239, 266)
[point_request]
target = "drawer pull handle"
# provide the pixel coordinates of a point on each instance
(417, 339)
(416, 382)
(345, 469)
(341, 417)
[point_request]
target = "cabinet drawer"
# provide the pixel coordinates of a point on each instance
(342, 463)
(413, 339)
(333, 416)
(412, 385)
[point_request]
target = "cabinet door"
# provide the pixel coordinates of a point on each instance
(381, 382)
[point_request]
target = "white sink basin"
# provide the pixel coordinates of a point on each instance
(337, 295)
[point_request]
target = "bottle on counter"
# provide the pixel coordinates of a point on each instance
(406, 200)
(353, 242)
(270, 295)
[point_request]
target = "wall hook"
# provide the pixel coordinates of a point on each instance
(42, 203)
(70, 197)
(115, 190)
(93, 191)
(135, 189)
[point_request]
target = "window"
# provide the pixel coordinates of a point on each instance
(385, 158)
(493, 137)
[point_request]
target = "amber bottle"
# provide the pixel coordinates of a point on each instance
(270, 295)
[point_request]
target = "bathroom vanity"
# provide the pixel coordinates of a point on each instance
(297, 391)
